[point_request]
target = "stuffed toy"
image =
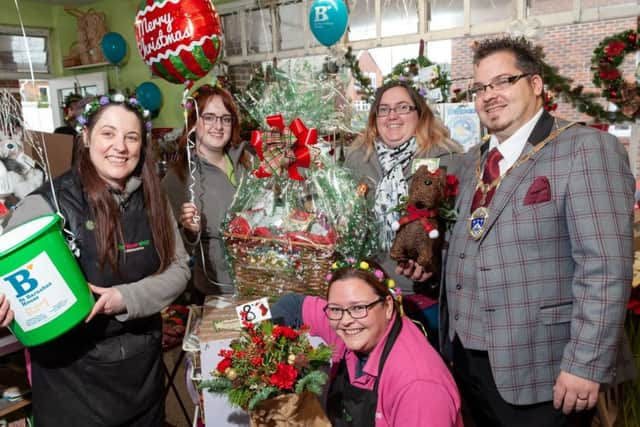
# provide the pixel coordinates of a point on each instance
(417, 235)
(19, 174)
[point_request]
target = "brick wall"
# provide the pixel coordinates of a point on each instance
(568, 47)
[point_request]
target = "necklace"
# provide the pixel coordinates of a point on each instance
(477, 222)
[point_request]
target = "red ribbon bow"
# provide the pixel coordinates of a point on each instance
(425, 216)
(298, 151)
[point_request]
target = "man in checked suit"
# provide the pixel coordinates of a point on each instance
(540, 261)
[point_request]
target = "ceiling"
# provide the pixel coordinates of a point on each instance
(66, 2)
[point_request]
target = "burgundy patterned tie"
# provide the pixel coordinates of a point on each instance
(491, 173)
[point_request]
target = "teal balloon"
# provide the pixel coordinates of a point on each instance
(114, 47)
(149, 96)
(328, 20)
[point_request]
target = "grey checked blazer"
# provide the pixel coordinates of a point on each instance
(553, 278)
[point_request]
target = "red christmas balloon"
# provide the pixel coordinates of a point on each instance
(179, 39)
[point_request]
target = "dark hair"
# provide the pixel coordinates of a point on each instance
(429, 131)
(108, 229)
(202, 96)
(528, 58)
(379, 286)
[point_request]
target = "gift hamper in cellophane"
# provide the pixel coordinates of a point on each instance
(284, 229)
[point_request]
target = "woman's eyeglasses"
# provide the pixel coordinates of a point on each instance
(385, 110)
(499, 83)
(211, 119)
(359, 311)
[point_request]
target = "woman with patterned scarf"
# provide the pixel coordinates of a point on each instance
(402, 133)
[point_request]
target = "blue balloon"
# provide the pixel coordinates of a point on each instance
(149, 96)
(114, 47)
(328, 20)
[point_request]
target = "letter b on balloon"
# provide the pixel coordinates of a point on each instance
(328, 20)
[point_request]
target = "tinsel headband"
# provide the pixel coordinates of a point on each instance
(361, 265)
(91, 108)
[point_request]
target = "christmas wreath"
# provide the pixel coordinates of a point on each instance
(606, 59)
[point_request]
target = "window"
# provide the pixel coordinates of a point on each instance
(491, 10)
(362, 20)
(232, 30)
(291, 18)
(400, 18)
(15, 52)
(445, 15)
(259, 33)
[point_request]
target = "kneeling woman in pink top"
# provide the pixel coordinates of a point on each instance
(384, 371)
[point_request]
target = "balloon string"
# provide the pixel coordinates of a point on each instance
(190, 146)
(41, 150)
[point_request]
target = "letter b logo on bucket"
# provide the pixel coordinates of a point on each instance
(38, 293)
(22, 282)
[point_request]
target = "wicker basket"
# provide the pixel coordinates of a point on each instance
(268, 266)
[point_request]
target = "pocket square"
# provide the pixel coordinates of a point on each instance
(540, 191)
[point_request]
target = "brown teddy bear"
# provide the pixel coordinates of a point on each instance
(417, 236)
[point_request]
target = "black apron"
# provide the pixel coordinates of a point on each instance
(348, 405)
(105, 372)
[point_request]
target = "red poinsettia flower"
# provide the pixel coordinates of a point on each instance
(615, 48)
(451, 187)
(257, 361)
(609, 74)
(284, 377)
(224, 364)
(284, 331)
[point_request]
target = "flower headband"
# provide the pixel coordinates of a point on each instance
(361, 265)
(118, 98)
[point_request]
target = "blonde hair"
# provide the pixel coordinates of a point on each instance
(430, 131)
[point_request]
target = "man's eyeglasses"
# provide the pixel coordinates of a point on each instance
(359, 311)
(499, 83)
(210, 119)
(385, 110)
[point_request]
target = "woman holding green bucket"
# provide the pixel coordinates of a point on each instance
(107, 370)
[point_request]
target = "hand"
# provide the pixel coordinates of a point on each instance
(569, 391)
(413, 271)
(6, 314)
(189, 212)
(109, 302)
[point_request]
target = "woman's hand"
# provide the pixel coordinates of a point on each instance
(189, 212)
(413, 271)
(6, 314)
(109, 302)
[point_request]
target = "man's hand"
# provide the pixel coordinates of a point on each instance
(109, 302)
(413, 271)
(572, 392)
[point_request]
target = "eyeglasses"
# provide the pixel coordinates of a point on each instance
(499, 83)
(385, 110)
(211, 119)
(359, 311)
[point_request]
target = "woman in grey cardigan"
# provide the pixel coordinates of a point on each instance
(402, 134)
(220, 160)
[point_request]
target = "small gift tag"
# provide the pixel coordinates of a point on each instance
(434, 95)
(432, 164)
(254, 311)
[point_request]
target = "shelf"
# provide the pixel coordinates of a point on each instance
(8, 343)
(6, 410)
(83, 66)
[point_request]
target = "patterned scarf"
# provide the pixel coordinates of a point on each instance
(392, 186)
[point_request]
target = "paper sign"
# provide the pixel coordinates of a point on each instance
(254, 311)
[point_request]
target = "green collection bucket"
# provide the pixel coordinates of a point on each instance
(42, 281)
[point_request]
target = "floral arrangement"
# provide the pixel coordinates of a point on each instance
(268, 361)
(117, 98)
